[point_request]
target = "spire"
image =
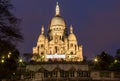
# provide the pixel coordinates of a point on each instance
(57, 9)
(71, 29)
(42, 30)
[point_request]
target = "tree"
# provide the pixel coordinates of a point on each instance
(117, 55)
(116, 64)
(9, 37)
(84, 59)
(9, 31)
(104, 61)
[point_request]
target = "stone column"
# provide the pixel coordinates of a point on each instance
(58, 74)
(75, 74)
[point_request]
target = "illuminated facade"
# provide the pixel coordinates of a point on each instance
(58, 44)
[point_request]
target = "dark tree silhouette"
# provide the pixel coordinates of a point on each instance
(117, 55)
(116, 64)
(85, 59)
(9, 31)
(104, 61)
(9, 37)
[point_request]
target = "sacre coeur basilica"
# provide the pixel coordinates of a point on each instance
(58, 44)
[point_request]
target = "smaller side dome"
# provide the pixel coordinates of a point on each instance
(41, 37)
(72, 37)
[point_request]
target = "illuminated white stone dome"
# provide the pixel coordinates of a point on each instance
(72, 37)
(41, 37)
(57, 21)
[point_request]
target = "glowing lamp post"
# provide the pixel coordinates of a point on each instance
(115, 61)
(2, 61)
(20, 61)
(95, 63)
(9, 54)
(95, 60)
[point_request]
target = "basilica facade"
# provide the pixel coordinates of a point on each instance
(58, 44)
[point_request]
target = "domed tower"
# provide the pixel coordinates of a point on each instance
(41, 37)
(39, 50)
(74, 51)
(57, 26)
(72, 38)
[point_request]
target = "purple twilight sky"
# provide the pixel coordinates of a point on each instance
(96, 23)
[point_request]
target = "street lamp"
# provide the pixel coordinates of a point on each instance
(115, 61)
(95, 63)
(95, 59)
(9, 54)
(2, 61)
(20, 60)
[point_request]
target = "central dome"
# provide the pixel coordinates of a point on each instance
(57, 21)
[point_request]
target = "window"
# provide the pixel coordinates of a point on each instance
(66, 73)
(71, 45)
(61, 73)
(47, 74)
(75, 47)
(85, 74)
(42, 53)
(54, 73)
(71, 52)
(79, 73)
(42, 45)
(71, 73)
(55, 49)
